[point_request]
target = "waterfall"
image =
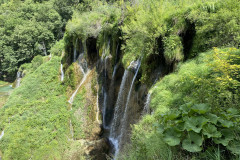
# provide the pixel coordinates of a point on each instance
(116, 65)
(128, 99)
(44, 48)
(50, 56)
(116, 120)
(105, 94)
(104, 108)
(82, 63)
(84, 68)
(147, 104)
(81, 83)
(2, 134)
(114, 71)
(120, 122)
(75, 51)
(62, 73)
(18, 79)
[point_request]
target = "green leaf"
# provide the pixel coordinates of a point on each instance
(211, 131)
(227, 136)
(226, 123)
(160, 128)
(193, 142)
(171, 137)
(212, 118)
(233, 111)
(195, 123)
(180, 127)
(172, 115)
(201, 108)
(234, 147)
(185, 108)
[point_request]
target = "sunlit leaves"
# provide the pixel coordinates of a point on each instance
(201, 108)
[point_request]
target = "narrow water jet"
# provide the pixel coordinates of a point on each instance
(81, 83)
(146, 108)
(62, 73)
(105, 93)
(105, 98)
(2, 134)
(19, 77)
(114, 71)
(75, 51)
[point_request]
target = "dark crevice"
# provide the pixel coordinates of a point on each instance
(187, 39)
(91, 44)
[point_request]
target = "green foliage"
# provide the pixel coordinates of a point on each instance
(102, 17)
(28, 68)
(194, 127)
(35, 118)
(196, 109)
(78, 115)
(58, 48)
(144, 144)
(29, 29)
(173, 48)
(100, 22)
(184, 28)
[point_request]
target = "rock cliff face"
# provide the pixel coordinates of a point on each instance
(110, 100)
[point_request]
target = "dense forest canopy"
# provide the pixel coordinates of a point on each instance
(187, 64)
(29, 28)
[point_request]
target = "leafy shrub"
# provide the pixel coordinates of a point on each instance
(196, 109)
(193, 124)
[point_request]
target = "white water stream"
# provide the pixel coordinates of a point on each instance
(62, 73)
(117, 120)
(18, 79)
(75, 51)
(2, 134)
(146, 108)
(113, 135)
(81, 83)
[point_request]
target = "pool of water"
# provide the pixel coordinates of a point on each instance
(5, 90)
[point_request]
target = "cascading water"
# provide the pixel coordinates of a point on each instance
(105, 94)
(146, 109)
(19, 77)
(84, 68)
(124, 124)
(75, 51)
(116, 64)
(2, 134)
(74, 94)
(104, 109)
(121, 108)
(62, 73)
(117, 112)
